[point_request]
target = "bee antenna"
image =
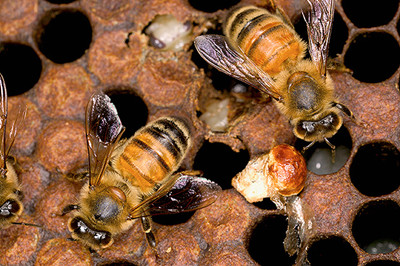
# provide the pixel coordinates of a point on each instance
(27, 224)
(308, 146)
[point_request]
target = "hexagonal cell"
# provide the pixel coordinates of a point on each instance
(375, 227)
(131, 110)
(266, 242)
(321, 159)
(20, 66)
(374, 169)
(371, 14)
(373, 57)
(220, 163)
(325, 250)
(63, 35)
(210, 6)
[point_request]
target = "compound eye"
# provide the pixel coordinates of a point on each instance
(9, 208)
(103, 238)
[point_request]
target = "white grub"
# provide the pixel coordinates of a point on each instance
(167, 33)
(254, 182)
(216, 115)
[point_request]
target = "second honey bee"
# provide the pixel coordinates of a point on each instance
(133, 178)
(10, 190)
(262, 49)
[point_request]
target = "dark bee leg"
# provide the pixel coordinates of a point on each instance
(333, 149)
(151, 239)
(308, 146)
(69, 208)
(26, 224)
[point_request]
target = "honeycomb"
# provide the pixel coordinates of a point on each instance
(54, 54)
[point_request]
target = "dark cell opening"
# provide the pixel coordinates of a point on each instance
(383, 263)
(21, 67)
(59, 2)
(212, 5)
(64, 35)
(376, 227)
(320, 158)
(265, 204)
(325, 252)
(375, 169)
(371, 14)
(173, 219)
(131, 110)
(220, 163)
(266, 242)
(338, 37)
(373, 57)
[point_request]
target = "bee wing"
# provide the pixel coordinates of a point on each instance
(187, 193)
(103, 131)
(7, 134)
(319, 28)
(216, 50)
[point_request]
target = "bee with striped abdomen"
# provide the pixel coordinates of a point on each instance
(10, 190)
(133, 178)
(262, 49)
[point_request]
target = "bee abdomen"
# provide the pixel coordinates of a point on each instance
(155, 151)
(263, 37)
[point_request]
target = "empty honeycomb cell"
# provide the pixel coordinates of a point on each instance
(372, 13)
(325, 251)
(373, 57)
(375, 169)
(266, 242)
(375, 227)
(20, 66)
(173, 219)
(220, 163)
(63, 35)
(212, 6)
(131, 110)
(265, 204)
(339, 34)
(383, 263)
(321, 159)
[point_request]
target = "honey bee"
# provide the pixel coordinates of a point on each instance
(10, 190)
(133, 178)
(262, 49)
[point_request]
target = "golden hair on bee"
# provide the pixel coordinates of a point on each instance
(261, 48)
(133, 178)
(10, 189)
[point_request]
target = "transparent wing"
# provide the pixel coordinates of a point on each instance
(319, 27)
(187, 193)
(103, 131)
(3, 121)
(216, 50)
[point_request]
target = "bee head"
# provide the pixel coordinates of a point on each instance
(9, 211)
(319, 129)
(95, 239)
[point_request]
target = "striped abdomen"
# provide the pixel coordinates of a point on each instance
(154, 152)
(264, 37)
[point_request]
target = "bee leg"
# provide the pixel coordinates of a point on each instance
(69, 208)
(308, 146)
(333, 149)
(337, 65)
(151, 239)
